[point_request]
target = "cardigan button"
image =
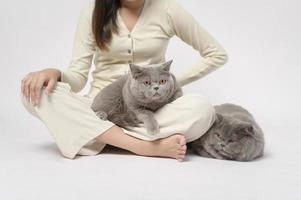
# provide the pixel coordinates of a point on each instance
(129, 35)
(129, 51)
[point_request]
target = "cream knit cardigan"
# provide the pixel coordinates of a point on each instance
(145, 44)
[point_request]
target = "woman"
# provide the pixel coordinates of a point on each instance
(119, 32)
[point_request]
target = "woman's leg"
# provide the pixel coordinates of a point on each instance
(73, 124)
(173, 146)
(191, 115)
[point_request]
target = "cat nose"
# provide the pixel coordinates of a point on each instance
(156, 88)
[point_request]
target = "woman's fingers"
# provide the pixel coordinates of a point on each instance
(33, 82)
(24, 86)
(26, 89)
(31, 86)
(32, 90)
(38, 88)
(50, 85)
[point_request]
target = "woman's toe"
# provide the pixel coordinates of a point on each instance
(183, 147)
(181, 152)
(180, 157)
(182, 140)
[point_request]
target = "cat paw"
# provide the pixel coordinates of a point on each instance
(136, 122)
(102, 115)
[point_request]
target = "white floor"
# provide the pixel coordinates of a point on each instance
(33, 168)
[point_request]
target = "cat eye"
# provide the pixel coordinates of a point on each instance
(217, 135)
(146, 82)
(162, 81)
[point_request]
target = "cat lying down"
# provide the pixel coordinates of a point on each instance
(134, 97)
(235, 135)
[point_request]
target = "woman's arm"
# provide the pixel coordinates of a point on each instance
(182, 24)
(82, 54)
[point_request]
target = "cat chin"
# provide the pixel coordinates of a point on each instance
(154, 97)
(155, 100)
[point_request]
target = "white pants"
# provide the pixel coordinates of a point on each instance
(74, 125)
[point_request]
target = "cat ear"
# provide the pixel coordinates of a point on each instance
(218, 118)
(135, 70)
(166, 65)
(245, 128)
(249, 129)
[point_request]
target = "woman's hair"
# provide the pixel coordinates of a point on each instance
(104, 21)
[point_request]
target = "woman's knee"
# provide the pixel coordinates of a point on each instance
(200, 113)
(59, 91)
(201, 105)
(28, 105)
(193, 105)
(196, 102)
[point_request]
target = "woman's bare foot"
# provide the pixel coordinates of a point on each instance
(173, 146)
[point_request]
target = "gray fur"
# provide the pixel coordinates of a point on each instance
(128, 101)
(235, 135)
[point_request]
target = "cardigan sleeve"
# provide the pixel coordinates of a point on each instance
(82, 54)
(182, 24)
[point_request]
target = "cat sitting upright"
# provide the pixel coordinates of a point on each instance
(235, 135)
(134, 97)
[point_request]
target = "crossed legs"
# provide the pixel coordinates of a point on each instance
(173, 146)
(73, 124)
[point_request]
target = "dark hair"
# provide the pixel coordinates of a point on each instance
(104, 21)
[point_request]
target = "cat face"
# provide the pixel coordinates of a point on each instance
(229, 136)
(151, 83)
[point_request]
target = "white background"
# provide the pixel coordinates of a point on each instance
(262, 38)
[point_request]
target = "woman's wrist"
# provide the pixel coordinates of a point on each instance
(57, 73)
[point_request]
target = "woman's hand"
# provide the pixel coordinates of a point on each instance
(33, 82)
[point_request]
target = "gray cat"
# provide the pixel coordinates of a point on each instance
(133, 98)
(235, 135)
